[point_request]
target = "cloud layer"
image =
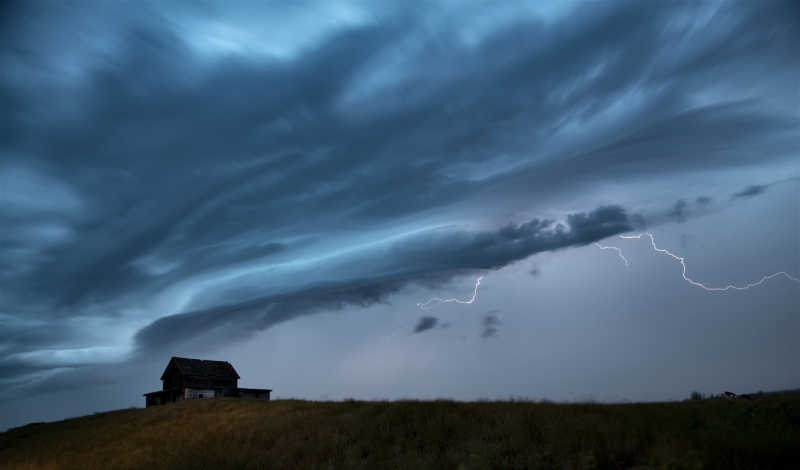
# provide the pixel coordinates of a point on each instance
(179, 174)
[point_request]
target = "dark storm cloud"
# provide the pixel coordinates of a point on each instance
(736, 126)
(750, 191)
(420, 258)
(180, 214)
(679, 211)
(11, 370)
(18, 335)
(490, 322)
(62, 379)
(141, 162)
(703, 200)
(425, 323)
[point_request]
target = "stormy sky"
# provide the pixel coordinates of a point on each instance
(286, 185)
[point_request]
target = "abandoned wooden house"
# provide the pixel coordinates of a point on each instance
(186, 379)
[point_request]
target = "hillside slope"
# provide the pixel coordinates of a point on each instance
(237, 433)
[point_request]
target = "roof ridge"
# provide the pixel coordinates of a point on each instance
(189, 366)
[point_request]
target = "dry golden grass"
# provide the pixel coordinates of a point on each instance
(251, 434)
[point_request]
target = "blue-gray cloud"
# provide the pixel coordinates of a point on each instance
(491, 322)
(703, 200)
(750, 191)
(679, 211)
(425, 323)
(163, 184)
(429, 257)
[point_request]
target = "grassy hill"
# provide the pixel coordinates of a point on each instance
(237, 433)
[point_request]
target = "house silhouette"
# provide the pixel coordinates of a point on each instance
(185, 379)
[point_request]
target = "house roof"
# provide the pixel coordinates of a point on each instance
(201, 368)
(170, 391)
(254, 389)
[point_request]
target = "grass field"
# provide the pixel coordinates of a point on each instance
(238, 433)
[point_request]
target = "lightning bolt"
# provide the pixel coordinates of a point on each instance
(682, 261)
(424, 305)
(618, 250)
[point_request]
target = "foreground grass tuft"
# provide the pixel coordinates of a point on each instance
(292, 434)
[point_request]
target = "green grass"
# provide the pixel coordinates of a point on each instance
(236, 433)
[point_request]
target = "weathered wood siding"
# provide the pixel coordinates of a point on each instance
(173, 379)
(192, 393)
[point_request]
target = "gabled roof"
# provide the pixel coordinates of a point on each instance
(201, 368)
